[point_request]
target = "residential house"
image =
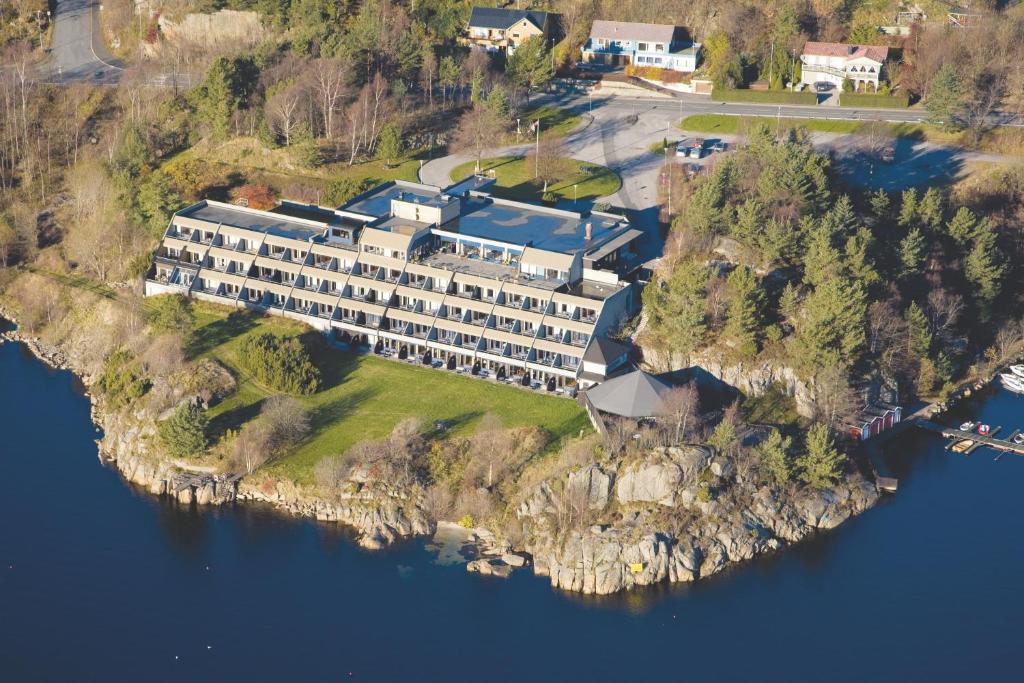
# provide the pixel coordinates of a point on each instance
(454, 277)
(502, 30)
(659, 45)
(835, 62)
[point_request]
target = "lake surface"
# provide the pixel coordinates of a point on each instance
(100, 582)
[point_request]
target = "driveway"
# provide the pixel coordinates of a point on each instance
(77, 52)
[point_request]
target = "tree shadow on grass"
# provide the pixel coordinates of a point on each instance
(208, 337)
(234, 418)
(335, 410)
(335, 364)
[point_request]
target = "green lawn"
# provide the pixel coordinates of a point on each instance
(363, 396)
(731, 125)
(553, 120)
(515, 179)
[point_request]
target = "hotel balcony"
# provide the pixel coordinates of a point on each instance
(480, 321)
(310, 286)
(322, 312)
(330, 264)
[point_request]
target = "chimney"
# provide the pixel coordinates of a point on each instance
(589, 231)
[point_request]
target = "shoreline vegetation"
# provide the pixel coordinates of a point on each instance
(553, 515)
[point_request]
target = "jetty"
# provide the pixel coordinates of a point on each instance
(990, 440)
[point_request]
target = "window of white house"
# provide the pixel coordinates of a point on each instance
(642, 47)
(658, 47)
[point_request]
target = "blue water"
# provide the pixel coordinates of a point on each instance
(99, 582)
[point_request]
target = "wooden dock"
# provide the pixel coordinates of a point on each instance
(1005, 445)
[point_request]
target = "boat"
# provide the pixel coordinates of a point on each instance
(968, 426)
(1011, 379)
(962, 446)
(984, 430)
(1018, 439)
(1012, 385)
(1017, 370)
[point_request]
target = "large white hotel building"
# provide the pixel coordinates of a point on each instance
(453, 277)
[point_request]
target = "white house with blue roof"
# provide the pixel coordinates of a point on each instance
(618, 43)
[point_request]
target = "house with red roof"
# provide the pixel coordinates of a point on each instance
(835, 62)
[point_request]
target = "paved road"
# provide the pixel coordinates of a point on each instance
(619, 131)
(78, 53)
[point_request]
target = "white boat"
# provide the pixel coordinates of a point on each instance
(1018, 370)
(1018, 439)
(1011, 379)
(968, 426)
(1011, 385)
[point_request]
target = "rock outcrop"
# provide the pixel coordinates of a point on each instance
(658, 528)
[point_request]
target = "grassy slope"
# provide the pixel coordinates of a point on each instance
(515, 179)
(553, 120)
(248, 158)
(365, 396)
(999, 140)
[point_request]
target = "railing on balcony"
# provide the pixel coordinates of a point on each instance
(507, 326)
(579, 341)
(479, 322)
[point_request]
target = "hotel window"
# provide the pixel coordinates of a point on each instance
(642, 47)
(658, 47)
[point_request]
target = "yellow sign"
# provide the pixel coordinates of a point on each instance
(636, 567)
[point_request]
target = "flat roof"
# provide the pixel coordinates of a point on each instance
(251, 219)
(377, 202)
(488, 269)
(547, 229)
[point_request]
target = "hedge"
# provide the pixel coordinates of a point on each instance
(852, 99)
(763, 96)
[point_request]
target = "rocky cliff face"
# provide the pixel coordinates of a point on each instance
(753, 378)
(660, 527)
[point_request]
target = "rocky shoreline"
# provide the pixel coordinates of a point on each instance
(643, 521)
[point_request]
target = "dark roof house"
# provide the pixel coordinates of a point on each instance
(636, 394)
(504, 19)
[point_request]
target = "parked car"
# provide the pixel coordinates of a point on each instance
(719, 146)
(824, 86)
(683, 147)
(696, 148)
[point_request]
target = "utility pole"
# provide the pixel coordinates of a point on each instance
(771, 65)
(536, 154)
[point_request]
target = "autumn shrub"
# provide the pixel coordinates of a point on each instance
(255, 196)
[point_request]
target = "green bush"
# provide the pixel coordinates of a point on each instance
(122, 380)
(281, 363)
(183, 434)
(763, 96)
(170, 313)
(857, 99)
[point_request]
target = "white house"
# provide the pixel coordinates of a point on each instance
(834, 62)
